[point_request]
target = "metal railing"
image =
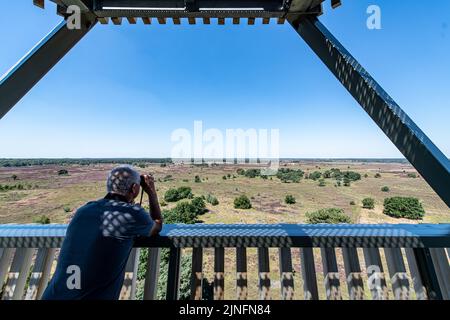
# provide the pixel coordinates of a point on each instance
(351, 257)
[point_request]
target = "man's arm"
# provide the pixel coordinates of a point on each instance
(155, 211)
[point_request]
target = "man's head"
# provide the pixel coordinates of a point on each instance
(124, 180)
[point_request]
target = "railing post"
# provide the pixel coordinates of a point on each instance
(309, 274)
(152, 274)
(331, 274)
(427, 273)
(241, 273)
(219, 269)
(286, 275)
(173, 277)
(264, 273)
(197, 274)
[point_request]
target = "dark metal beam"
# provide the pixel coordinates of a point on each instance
(420, 151)
(36, 63)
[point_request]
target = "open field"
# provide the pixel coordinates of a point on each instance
(58, 196)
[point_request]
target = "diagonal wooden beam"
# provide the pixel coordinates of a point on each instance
(412, 142)
(16, 82)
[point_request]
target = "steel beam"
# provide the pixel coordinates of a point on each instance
(15, 83)
(420, 151)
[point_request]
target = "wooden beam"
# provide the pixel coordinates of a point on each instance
(251, 21)
(191, 20)
(221, 21)
(206, 20)
(117, 20)
(162, 20)
(266, 20)
(176, 21)
(236, 20)
(103, 20)
(146, 20)
(131, 20)
(39, 3)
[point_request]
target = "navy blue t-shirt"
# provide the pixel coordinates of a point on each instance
(98, 242)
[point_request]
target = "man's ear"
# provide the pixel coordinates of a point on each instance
(135, 189)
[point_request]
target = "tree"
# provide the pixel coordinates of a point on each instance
(404, 207)
(290, 199)
(385, 189)
(368, 203)
(242, 202)
(331, 215)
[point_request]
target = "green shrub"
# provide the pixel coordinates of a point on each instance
(385, 189)
(252, 173)
(63, 172)
(290, 199)
(368, 203)
(42, 220)
(199, 205)
(174, 195)
(163, 203)
(224, 177)
(331, 215)
(14, 177)
(322, 183)
(412, 175)
(242, 202)
(352, 203)
(347, 182)
(240, 171)
(316, 175)
(290, 175)
(67, 209)
(402, 207)
(197, 179)
(377, 175)
(212, 200)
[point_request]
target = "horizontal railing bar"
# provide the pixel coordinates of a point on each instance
(257, 235)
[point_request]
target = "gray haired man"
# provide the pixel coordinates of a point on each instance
(99, 239)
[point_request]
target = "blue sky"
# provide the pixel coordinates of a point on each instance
(123, 90)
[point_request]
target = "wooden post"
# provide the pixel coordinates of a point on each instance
(197, 274)
(264, 273)
(219, 269)
(152, 274)
(286, 275)
(331, 274)
(309, 274)
(353, 273)
(241, 273)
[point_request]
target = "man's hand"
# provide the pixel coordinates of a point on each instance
(148, 184)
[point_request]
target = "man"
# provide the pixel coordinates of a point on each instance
(100, 237)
